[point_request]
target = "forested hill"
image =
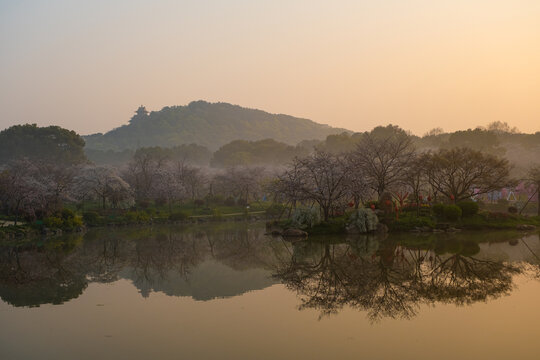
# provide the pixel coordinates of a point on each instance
(208, 124)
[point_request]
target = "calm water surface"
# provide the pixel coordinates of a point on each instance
(227, 291)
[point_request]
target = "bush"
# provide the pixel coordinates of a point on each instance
(178, 216)
(137, 217)
(198, 202)
(275, 210)
(91, 218)
(438, 210)
(305, 218)
(410, 222)
(142, 203)
(468, 208)
(452, 212)
(67, 214)
(53, 222)
(229, 202)
(160, 201)
(65, 220)
(363, 221)
(216, 214)
(512, 210)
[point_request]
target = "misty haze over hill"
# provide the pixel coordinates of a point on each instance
(208, 124)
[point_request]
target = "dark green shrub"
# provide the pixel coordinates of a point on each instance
(512, 210)
(53, 222)
(198, 202)
(160, 201)
(452, 212)
(67, 214)
(178, 216)
(241, 202)
(206, 211)
(142, 203)
(137, 217)
(91, 218)
(229, 202)
(438, 210)
(468, 208)
(410, 222)
(275, 210)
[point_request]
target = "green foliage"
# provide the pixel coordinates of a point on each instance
(512, 210)
(305, 218)
(137, 217)
(64, 219)
(452, 212)
(209, 125)
(362, 221)
(178, 216)
(92, 218)
(50, 144)
(330, 227)
(268, 151)
(275, 210)
(409, 221)
(468, 208)
(217, 214)
(476, 139)
(438, 210)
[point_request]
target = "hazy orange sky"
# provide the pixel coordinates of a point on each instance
(87, 65)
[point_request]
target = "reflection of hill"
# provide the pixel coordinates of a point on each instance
(204, 263)
(386, 277)
(208, 280)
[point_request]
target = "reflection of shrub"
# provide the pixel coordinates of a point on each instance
(305, 218)
(137, 217)
(470, 248)
(178, 216)
(468, 208)
(91, 218)
(452, 212)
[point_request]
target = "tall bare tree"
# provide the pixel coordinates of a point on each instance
(321, 178)
(461, 173)
(383, 155)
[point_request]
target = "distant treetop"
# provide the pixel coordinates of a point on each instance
(50, 144)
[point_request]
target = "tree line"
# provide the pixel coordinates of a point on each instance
(36, 183)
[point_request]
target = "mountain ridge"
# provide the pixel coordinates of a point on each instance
(209, 124)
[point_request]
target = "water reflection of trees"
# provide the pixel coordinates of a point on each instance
(392, 281)
(384, 277)
(61, 269)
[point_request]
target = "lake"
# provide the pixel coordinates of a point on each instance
(228, 291)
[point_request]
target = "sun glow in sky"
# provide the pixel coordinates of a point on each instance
(420, 64)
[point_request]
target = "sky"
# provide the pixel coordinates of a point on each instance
(420, 64)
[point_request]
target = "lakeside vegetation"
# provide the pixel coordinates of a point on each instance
(379, 180)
